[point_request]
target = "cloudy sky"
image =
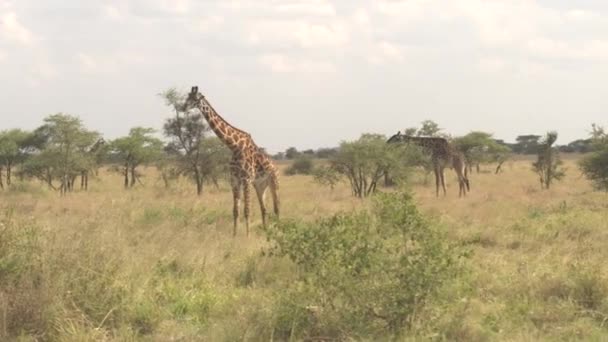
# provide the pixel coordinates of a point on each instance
(310, 73)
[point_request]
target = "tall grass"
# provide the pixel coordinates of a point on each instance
(151, 264)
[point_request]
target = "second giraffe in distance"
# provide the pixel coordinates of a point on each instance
(442, 154)
(249, 165)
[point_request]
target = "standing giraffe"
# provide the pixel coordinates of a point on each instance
(249, 165)
(442, 154)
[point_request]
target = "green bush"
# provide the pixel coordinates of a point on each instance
(326, 176)
(301, 166)
(595, 168)
(360, 274)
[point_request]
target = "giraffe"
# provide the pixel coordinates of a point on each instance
(442, 155)
(249, 165)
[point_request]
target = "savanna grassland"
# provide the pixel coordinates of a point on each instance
(157, 264)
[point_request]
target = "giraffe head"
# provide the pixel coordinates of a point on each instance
(195, 100)
(396, 138)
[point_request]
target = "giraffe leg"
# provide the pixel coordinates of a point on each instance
(236, 199)
(246, 202)
(260, 190)
(442, 176)
(437, 180)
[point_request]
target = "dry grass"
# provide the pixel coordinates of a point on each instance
(158, 264)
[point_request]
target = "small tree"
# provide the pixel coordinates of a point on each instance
(527, 144)
(200, 158)
(429, 128)
(365, 161)
(595, 165)
(548, 163)
(498, 154)
(291, 153)
(326, 176)
(303, 165)
(138, 148)
(58, 146)
(12, 151)
(479, 147)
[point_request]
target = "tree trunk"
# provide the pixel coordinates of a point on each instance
(9, 168)
(49, 178)
(477, 167)
(388, 181)
(133, 176)
(1, 181)
(126, 176)
(199, 181)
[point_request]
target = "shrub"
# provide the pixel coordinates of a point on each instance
(548, 164)
(595, 168)
(301, 166)
(326, 176)
(367, 160)
(360, 273)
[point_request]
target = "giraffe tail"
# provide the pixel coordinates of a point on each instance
(274, 191)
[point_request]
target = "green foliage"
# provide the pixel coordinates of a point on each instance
(61, 146)
(13, 150)
(480, 147)
(136, 149)
(291, 153)
(366, 160)
(595, 165)
(303, 165)
(548, 163)
(326, 176)
(198, 157)
(360, 273)
(527, 144)
(429, 128)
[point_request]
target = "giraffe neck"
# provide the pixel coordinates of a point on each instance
(228, 134)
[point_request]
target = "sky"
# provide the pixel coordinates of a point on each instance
(310, 73)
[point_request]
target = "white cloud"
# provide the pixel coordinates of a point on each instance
(301, 33)
(385, 52)
(492, 64)
(310, 7)
(210, 23)
(113, 12)
(12, 30)
(311, 35)
(107, 63)
(279, 63)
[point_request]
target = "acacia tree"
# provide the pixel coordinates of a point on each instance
(479, 147)
(595, 165)
(58, 151)
(548, 163)
(366, 161)
(13, 146)
(136, 149)
(201, 158)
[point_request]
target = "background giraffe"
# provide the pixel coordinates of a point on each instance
(249, 165)
(442, 155)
